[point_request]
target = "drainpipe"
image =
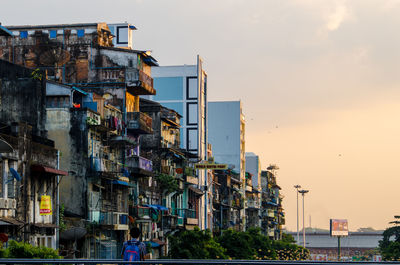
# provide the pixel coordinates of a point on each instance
(58, 204)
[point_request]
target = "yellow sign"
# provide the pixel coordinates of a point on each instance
(211, 166)
(45, 205)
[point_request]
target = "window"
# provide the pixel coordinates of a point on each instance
(168, 88)
(53, 34)
(44, 241)
(80, 33)
(192, 114)
(192, 139)
(23, 34)
(191, 88)
(122, 35)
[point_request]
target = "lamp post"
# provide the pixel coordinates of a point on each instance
(297, 187)
(303, 192)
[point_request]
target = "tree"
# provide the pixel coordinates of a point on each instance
(288, 238)
(238, 245)
(195, 244)
(389, 246)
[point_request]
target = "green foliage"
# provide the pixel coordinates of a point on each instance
(290, 251)
(234, 245)
(238, 245)
(195, 244)
(288, 238)
(167, 183)
(62, 222)
(36, 74)
(25, 250)
(91, 121)
(389, 246)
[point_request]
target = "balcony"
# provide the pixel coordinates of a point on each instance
(192, 180)
(140, 212)
(139, 165)
(253, 204)
(112, 220)
(189, 215)
(139, 83)
(139, 123)
(170, 222)
(190, 176)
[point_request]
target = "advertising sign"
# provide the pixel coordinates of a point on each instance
(45, 205)
(339, 227)
(211, 166)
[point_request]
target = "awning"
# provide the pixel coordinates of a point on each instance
(161, 207)
(42, 225)
(153, 244)
(49, 170)
(156, 207)
(196, 190)
(123, 183)
(80, 91)
(10, 221)
(5, 147)
(158, 241)
(4, 31)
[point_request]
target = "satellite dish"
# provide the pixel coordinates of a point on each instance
(5, 147)
(15, 174)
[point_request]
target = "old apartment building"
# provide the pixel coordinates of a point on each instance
(29, 173)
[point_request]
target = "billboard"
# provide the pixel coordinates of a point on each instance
(339, 227)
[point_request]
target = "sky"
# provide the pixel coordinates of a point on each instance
(318, 80)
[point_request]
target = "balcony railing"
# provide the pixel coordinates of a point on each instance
(139, 83)
(139, 123)
(170, 221)
(119, 221)
(139, 165)
(140, 212)
(253, 204)
(105, 165)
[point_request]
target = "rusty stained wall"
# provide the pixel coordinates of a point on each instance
(67, 127)
(65, 58)
(22, 98)
(72, 186)
(75, 60)
(27, 152)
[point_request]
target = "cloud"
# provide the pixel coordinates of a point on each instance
(337, 17)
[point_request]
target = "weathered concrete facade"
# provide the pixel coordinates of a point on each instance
(30, 170)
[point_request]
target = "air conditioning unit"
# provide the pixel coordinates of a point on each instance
(2, 203)
(160, 233)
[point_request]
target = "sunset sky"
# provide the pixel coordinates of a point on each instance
(318, 80)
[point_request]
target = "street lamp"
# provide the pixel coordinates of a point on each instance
(303, 192)
(297, 187)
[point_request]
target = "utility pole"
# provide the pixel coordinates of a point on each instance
(297, 187)
(303, 192)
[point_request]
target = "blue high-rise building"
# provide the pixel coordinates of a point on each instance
(183, 88)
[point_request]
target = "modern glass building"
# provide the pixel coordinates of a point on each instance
(183, 88)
